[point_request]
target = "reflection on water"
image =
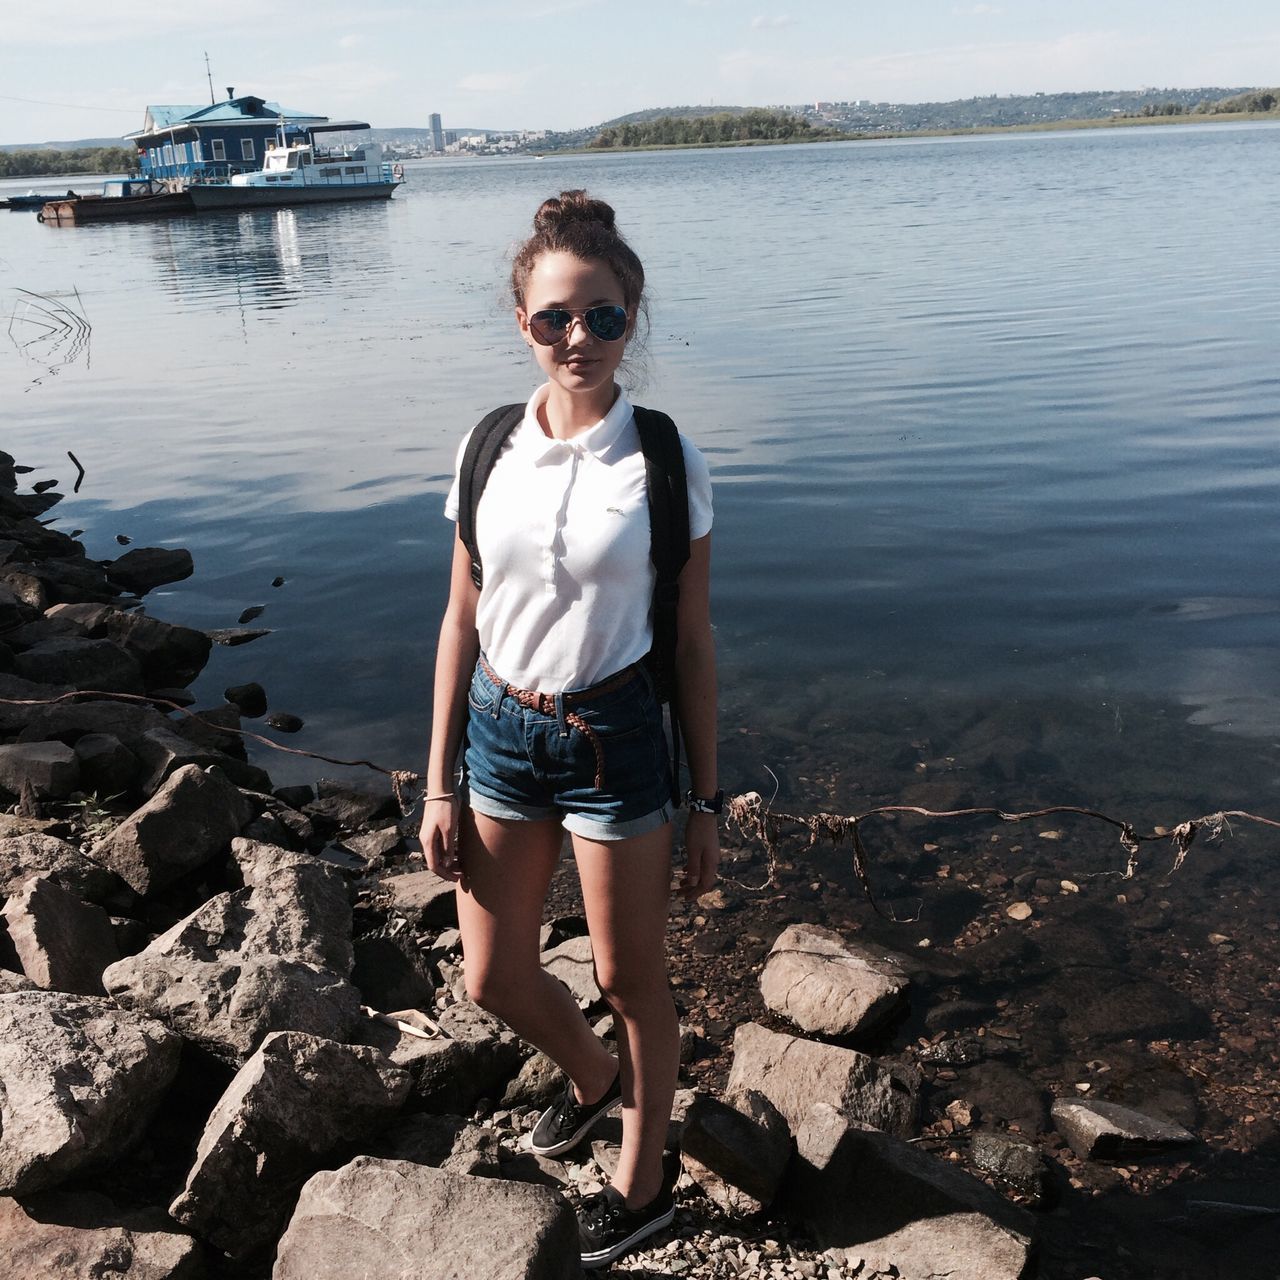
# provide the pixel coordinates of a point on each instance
(264, 259)
(49, 333)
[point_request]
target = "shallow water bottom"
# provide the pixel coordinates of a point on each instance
(1153, 985)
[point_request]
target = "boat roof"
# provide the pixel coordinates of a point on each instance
(332, 126)
(244, 110)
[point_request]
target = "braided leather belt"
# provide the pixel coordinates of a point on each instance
(545, 704)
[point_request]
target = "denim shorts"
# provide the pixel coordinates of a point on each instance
(521, 764)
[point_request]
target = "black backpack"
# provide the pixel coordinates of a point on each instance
(668, 526)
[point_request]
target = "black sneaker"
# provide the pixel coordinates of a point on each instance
(567, 1122)
(607, 1228)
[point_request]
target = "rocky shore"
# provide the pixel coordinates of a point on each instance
(235, 1039)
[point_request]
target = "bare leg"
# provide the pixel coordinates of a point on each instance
(508, 866)
(626, 888)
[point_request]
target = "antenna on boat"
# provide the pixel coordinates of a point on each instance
(210, 75)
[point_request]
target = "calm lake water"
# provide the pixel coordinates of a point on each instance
(993, 425)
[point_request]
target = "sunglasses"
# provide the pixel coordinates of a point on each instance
(608, 323)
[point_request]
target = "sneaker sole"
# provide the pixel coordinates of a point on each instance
(602, 1257)
(578, 1134)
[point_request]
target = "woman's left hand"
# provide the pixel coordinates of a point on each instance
(702, 855)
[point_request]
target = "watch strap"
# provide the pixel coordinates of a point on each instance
(705, 804)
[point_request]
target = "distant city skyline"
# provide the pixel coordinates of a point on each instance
(84, 69)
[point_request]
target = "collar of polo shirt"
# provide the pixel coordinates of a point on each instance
(596, 440)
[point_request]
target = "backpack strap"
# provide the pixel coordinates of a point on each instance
(668, 509)
(481, 453)
(668, 491)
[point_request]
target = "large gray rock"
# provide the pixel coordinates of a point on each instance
(538, 1083)
(10, 981)
(58, 1235)
(350, 805)
(299, 905)
(473, 1059)
(15, 690)
(100, 665)
(70, 721)
(168, 654)
(392, 973)
(22, 857)
(825, 984)
(401, 1221)
(1107, 1130)
(736, 1153)
(573, 963)
(50, 769)
(162, 752)
(189, 820)
(107, 766)
(145, 567)
(273, 956)
(426, 900)
(892, 1205)
(79, 1080)
(63, 942)
(296, 1100)
(88, 617)
(794, 1074)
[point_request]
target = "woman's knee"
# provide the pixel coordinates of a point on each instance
(496, 986)
(628, 988)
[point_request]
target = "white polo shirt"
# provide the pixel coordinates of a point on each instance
(563, 531)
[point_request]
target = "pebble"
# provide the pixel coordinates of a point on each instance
(1051, 835)
(1018, 911)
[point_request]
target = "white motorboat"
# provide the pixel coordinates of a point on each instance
(297, 171)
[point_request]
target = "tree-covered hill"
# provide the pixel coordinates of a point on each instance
(30, 164)
(752, 125)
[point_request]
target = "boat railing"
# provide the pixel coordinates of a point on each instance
(203, 171)
(336, 175)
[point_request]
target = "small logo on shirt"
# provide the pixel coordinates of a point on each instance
(614, 511)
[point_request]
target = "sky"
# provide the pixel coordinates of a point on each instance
(88, 68)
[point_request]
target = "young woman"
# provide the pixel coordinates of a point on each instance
(541, 685)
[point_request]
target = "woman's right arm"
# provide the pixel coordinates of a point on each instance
(455, 660)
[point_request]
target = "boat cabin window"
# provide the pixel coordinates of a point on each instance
(219, 148)
(294, 157)
(306, 158)
(356, 169)
(246, 149)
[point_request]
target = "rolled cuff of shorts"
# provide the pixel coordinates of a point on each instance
(580, 825)
(508, 810)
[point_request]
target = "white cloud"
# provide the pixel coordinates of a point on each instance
(350, 42)
(766, 22)
(977, 11)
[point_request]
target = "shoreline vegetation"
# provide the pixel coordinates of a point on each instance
(811, 135)
(52, 162)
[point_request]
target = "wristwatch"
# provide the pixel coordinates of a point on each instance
(701, 804)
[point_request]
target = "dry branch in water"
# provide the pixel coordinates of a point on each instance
(757, 820)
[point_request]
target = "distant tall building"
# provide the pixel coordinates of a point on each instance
(437, 133)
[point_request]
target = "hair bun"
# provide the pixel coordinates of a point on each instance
(569, 207)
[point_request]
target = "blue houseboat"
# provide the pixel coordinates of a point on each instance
(187, 144)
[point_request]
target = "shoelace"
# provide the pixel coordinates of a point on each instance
(599, 1209)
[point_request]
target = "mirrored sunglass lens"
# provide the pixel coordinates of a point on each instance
(607, 323)
(549, 327)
